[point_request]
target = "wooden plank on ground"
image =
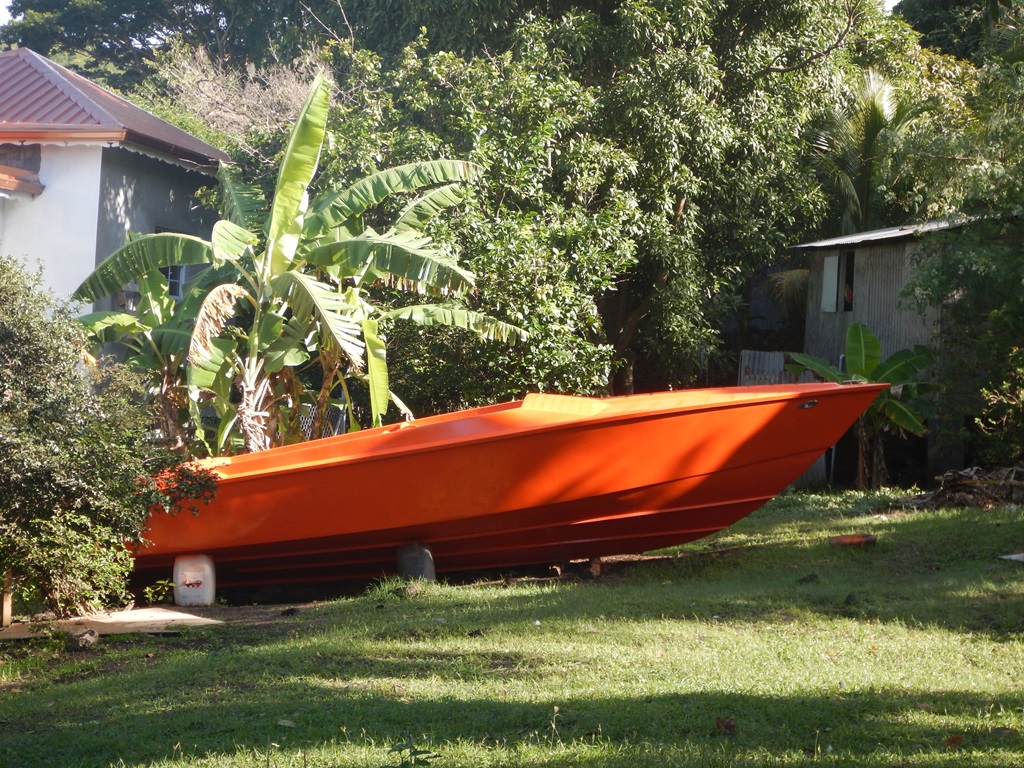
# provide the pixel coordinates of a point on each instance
(146, 620)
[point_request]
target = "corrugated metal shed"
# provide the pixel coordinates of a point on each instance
(882, 269)
(41, 101)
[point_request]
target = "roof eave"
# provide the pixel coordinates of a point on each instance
(19, 182)
(190, 158)
(163, 150)
(29, 134)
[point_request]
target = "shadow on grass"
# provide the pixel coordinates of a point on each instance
(300, 716)
(928, 568)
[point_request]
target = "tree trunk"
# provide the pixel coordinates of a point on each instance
(863, 449)
(329, 364)
(252, 416)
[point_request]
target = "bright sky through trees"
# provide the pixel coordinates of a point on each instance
(5, 16)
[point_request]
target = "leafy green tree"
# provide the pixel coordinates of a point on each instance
(301, 290)
(956, 27)
(894, 410)
(677, 126)
(78, 460)
(115, 41)
(972, 273)
(680, 121)
(969, 29)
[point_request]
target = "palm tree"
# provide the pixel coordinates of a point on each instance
(858, 153)
(300, 292)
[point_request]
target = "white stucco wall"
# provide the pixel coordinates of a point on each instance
(57, 227)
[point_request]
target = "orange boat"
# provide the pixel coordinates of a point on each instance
(546, 479)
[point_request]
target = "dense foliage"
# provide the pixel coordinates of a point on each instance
(76, 456)
(974, 272)
(643, 161)
(115, 41)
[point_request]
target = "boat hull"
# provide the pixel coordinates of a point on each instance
(546, 479)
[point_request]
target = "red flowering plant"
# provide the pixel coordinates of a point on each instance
(178, 488)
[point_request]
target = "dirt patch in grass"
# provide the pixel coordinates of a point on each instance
(255, 615)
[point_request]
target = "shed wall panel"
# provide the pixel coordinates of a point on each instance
(881, 272)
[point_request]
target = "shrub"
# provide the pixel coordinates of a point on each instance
(76, 455)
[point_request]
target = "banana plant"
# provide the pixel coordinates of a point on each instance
(156, 338)
(296, 293)
(894, 410)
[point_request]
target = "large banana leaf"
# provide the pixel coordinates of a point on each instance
(338, 314)
(242, 204)
(450, 314)
(230, 240)
(376, 370)
(900, 414)
(902, 367)
(156, 305)
(406, 256)
(820, 367)
(207, 279)
(336, 207)
(420, 211)
(217, 308)
(104, 324)
(298, 165)
(140, 256)
(113, 327)
(172, 339)
(863, 351)
(288, 349)
(214, 370)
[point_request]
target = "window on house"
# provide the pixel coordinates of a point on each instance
(175, 275)
(837, 282)
(175, 280)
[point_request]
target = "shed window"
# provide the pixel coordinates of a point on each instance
(837, 282)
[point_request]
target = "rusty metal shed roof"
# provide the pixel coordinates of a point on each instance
(877, 235)
(41, 102)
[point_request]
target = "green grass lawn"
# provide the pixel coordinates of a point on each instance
(762, 646)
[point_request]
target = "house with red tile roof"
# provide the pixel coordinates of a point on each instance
(79, 166)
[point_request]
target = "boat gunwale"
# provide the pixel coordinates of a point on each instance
(766, 395)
